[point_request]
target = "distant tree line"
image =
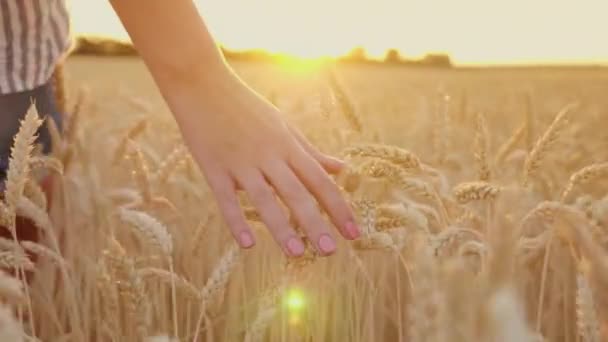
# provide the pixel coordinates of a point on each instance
(392, 56)
(87, 45)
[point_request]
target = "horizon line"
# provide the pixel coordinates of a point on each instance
(557, 62)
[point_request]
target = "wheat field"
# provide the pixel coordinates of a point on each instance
(482, 194)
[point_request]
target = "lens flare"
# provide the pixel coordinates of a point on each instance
(295, 300)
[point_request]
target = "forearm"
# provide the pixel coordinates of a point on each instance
(173, 41)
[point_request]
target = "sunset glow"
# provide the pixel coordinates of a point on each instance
(471, 31)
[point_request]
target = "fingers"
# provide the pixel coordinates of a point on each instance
(303, 206)
(224, 190)
(262, 197)
(327, 193)
(330, 164)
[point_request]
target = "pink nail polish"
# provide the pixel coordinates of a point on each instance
(352, 230)
(327, 245)
(246, 239)
(295, 247)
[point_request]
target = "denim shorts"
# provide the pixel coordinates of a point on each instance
(13, 108)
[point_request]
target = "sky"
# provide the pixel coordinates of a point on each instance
(471, 31)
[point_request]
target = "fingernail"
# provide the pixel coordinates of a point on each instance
(327, 244)
(295, 247)
(352, 230)
(246, 239)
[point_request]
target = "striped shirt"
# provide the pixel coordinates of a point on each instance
(34, 36)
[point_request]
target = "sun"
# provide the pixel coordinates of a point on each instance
(300, 65)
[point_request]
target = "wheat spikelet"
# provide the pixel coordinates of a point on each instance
(468, 219)
(15, 260)
(141, 173)
(585, 175)
(378, 168)
(375, 240)
(544, 144)
(173, 161)
(473, 247)
(171, 278)
(546, 211)
(367, 212)
(217, 282)
(509, 145)
(218, 279)
(398, 156)
(348, 179)
(43, 251)
(11, 289)
(110, 305)
(12, 256)
(150, 229)
(475, 191)
(587, 322)
(450, 236)
(401, 216)
(199, 235)
(131, 134)
(481, 149)
(19, 163)
(266, 311)
(46, 163)
(344, 102)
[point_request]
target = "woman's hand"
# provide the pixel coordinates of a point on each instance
(240, 141)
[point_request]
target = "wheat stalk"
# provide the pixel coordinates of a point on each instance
(545, 144)
(217, 282)
(168, 277)
(346, 106)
